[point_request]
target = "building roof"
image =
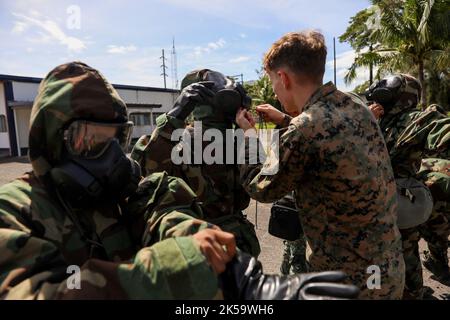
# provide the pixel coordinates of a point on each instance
(7, 77)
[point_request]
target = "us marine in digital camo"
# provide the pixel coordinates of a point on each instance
(82, 206)
(344, 186)
(411, 137)
(217, 185)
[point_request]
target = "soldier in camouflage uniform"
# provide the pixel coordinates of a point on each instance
(217, 186)
(435, 173)
(410, 136)
(294, 259)
(129, 244)
(294, 254)
(41, 233)
(333, 155)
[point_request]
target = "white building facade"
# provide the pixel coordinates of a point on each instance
(17, 94)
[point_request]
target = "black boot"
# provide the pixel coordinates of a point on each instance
(244, 279)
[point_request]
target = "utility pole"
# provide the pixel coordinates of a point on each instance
(164, 68)
(174, 66)
(334, 51)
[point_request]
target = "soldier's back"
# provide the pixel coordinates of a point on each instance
(347, 196)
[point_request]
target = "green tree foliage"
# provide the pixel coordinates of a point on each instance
(261, 91)
(411, 36)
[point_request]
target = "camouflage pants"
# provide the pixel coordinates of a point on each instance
(243, 230)
(294, 256)
(437, 230)
(413, 266)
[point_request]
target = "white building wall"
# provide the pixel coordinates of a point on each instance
(4, 138)
(165, 99)
(25, 91)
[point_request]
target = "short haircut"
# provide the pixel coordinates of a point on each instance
(304, 53)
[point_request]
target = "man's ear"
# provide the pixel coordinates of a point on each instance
(285, 79)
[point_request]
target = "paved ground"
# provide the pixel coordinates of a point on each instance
(272, 252)
(271, 247)
(11, 168)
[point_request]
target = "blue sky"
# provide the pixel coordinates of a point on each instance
(123, 39)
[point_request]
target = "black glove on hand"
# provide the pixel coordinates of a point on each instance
(196, 93)
(244, 279)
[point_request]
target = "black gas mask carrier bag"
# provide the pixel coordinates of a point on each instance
(284, 221)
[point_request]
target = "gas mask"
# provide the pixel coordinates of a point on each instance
(96, 167)
(229, 95)
(385, 91)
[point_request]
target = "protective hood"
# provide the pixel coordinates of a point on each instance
(229, 96)
(397, 93)
(69, 92)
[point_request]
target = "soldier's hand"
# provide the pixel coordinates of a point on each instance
(217, 246)
(192, 95)
(270, 113)
(244, 119)
(377, 110)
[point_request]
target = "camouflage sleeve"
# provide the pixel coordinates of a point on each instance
(271, 179)
(438, 140)
(435, 173)
(286, 121)
(144, 150)
(167, 207)
(34, 267)
(430, 132)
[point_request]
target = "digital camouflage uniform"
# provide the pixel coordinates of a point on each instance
(334, 157)
(143, 250)
(294, 255)
(217, 186)
(410, 135)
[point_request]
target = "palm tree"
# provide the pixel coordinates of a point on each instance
(261, 90)
(406, 35)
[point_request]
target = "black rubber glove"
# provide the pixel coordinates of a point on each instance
(196, 93)
(244, 279)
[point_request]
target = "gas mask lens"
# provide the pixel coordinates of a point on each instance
(90, 139)
(393, 82)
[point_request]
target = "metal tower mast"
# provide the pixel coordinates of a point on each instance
(174, 66)
(164, 68)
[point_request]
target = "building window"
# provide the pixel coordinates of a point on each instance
(140, 119)
(3, 127)
(156, 115)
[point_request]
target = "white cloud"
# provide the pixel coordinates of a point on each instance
(121, 49)
(216, 45)
(50, 30)
(19, 27)
(239, 59)
(343, 62)
(35, 13)
(211, 46)
(243, 35)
